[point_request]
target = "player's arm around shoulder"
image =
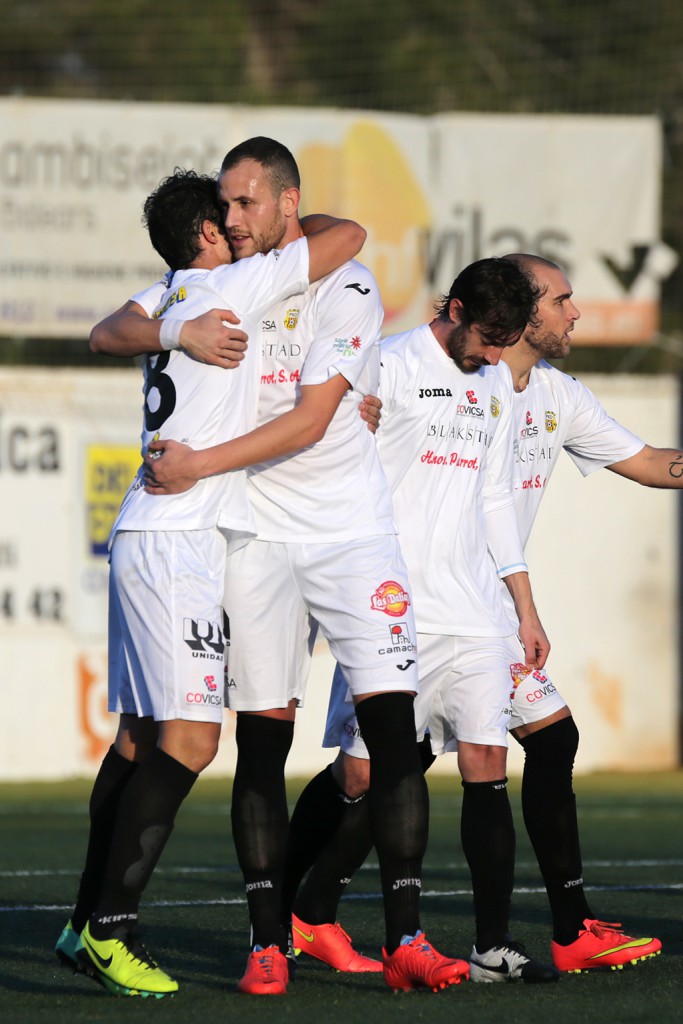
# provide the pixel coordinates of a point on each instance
(211, 338)
(331, 243)
(126, 332)
(171, 467)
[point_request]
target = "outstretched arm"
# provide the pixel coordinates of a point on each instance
(130, 332)
(653, 467)
(171, 467)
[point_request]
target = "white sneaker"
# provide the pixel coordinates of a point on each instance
(509, 963)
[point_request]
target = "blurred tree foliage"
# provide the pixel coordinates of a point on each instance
(522, 56)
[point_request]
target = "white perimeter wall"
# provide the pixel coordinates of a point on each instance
(604, 559)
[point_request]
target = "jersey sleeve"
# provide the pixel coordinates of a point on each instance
(255, 283)
(349, 318)
(502, 528)
(150, 297)
(595, 440)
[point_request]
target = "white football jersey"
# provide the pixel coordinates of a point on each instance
(446, 447)
(203, 405)
(556, 412)
(335, 490)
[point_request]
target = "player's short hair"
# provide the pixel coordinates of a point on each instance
(497, 295)
(532, 263)
(277, 161)
(175, 212)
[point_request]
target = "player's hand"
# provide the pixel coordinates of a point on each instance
(534, 640)
(170, 467)
(210, 338)
(371, 411)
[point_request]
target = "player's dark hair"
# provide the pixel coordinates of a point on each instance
(175, 212)
(497, 295)
(276, 159)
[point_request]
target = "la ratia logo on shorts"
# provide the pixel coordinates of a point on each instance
(390, 598)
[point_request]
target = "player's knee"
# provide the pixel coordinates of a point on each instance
(481, 763)
(352, 775)
(555, 744)
(193, 744)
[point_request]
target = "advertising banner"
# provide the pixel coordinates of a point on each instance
(434, 193)
(602, 560)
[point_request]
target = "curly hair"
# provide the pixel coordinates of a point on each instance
(174, 213)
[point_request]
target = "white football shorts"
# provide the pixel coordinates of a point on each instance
(166, 640)
(275, 593)
(472, 689)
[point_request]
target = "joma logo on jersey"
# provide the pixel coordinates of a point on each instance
(291, 319)
(390, 598)
(550, 420)
(434, 393)
(205, 639)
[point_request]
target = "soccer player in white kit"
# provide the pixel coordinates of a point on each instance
(166, 642)
(446, 446)
(552, 412)
(326, 547)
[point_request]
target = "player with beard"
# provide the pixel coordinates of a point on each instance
(166, 581)
(326, 550)
(569, 418)
(447, 450)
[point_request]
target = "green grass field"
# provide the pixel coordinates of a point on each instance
(196, 924)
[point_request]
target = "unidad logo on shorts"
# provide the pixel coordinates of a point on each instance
(390, 598)
(205, 639)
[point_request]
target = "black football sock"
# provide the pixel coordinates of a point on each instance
(427, 758)
(260, 821)
(321, 810)
(487, 833)
(112, 778)
(347, 848)
(335, 866)
(398, 807)
(549, 808)
(144, 821)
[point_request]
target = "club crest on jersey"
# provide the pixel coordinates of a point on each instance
(390, 598)
(495, 406)
(291, 319)
(550, 420)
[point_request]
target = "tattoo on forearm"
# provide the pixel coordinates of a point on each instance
(676, 467)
